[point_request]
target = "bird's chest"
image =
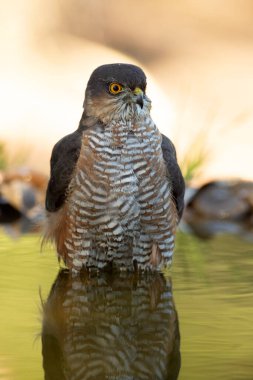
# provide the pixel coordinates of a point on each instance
(120, 156)
(112, 173)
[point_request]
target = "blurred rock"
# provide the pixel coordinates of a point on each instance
(26, 175)
(218, 207)
(155, 30)
(22, 196)
(8, 213)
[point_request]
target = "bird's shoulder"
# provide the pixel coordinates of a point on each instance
(69, 144)
(168, 148)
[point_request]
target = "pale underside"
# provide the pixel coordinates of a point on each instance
(119, 209)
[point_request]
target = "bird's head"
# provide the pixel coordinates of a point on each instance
(116, 92)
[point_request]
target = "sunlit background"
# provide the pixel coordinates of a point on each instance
(198, 56)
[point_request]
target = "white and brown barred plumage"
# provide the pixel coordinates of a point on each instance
(116, 192)
(111, 327)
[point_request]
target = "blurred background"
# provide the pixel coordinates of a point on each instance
(198, 56)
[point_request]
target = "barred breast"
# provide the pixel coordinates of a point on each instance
(119, 209)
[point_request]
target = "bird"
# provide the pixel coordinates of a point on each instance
(116, 192)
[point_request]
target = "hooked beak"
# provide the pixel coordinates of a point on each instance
(138, 96)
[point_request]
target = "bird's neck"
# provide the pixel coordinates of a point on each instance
(87, 121)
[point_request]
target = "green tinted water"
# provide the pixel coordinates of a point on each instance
(212, 291)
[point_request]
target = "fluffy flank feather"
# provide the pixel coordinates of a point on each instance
(55, 231)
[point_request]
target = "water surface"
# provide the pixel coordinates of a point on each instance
(129, 324)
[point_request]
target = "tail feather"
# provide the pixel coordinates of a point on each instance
(55, 231)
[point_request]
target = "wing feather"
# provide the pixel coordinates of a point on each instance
(176, 177)
(63, 160)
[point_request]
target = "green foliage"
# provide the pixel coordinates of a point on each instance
(193, 164)
(3, 156)
(194, 158)
(16, 159)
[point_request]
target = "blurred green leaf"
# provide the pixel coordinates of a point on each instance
(3, 156)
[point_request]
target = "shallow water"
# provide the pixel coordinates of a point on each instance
(127, 327)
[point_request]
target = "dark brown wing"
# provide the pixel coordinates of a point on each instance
(64, 157)
(178, 185)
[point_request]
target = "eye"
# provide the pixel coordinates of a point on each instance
(115, 88)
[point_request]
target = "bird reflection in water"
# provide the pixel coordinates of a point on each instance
(110, 327)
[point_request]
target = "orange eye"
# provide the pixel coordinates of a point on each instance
(115, 88)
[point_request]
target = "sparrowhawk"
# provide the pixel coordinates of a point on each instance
(116, 192)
